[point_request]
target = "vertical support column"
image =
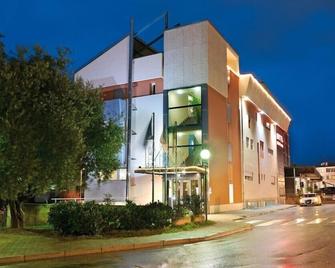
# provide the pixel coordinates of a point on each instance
(129, 97)
(153, 159)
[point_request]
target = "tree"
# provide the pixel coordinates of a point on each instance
(51, 128)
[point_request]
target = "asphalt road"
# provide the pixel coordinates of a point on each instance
(295, 237)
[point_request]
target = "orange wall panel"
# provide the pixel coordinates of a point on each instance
(217, 139)
(235, 136)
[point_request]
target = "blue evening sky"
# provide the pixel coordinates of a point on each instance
(289, 44)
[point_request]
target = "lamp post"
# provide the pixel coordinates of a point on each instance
(205, 155)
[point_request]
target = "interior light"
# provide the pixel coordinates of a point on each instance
(180, 92)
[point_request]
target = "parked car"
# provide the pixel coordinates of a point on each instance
(310, 199)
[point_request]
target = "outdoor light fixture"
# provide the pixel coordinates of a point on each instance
(205, 155)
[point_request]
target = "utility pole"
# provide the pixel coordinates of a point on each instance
(129, 98)
(153, 158)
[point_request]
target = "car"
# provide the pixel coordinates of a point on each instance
(310, 199)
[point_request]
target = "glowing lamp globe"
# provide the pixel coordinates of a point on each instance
(205, 154)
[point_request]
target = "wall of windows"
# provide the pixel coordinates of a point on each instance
(184, 124)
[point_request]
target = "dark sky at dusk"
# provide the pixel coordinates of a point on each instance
(289, 44)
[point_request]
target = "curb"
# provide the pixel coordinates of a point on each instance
(119, 248)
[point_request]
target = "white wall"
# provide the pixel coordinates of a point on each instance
(186, 56)
(97, 190)
(253, 190)
(195, 54)
(111, 67)
(250, 87)
(140, 189)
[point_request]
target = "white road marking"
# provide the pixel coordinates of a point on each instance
(317, 221)
(268, 223)
(254, 221)
(296, 221)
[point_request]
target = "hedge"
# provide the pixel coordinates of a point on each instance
(90, 218)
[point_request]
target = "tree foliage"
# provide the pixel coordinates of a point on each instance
(51, 127)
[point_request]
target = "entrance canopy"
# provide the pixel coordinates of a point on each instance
(171, 170)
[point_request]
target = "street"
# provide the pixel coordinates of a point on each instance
(295, 237)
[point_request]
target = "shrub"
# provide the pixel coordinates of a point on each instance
(90, 218)
(194, 203)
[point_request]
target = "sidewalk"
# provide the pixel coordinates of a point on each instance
(247, 213)
(28, 246)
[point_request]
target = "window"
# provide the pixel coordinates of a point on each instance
(248, 177)
(261, 149)
(251, 144)
(247, 142)
(273, 180)
(184, 126)
(184, 97)
(270, 151)
(152, 88)
(249, 121)
(184, 107)
(263, 177)
(267, 125)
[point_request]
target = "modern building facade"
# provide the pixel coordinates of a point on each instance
(195, 95)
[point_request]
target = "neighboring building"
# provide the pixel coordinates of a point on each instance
(302, 179)
(327, 171)
(200, 100)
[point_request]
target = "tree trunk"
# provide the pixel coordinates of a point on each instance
(16, 214)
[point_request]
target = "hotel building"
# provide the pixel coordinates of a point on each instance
(199, 100)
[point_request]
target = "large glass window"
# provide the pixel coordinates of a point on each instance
(185, 97)
(185, 116)
(184, 125)
(185, 138)
(185, 156)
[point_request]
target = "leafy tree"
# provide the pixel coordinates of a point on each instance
(51, 128)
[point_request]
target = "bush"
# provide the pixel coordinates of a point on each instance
(75, 219)
(90, 218)
(194, 203)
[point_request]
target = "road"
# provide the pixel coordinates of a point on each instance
(295, 237)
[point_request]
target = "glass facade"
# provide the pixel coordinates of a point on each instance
(184, 126)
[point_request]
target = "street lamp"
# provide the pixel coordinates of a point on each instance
(205, 155)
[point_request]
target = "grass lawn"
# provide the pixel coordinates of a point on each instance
(41, 239)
